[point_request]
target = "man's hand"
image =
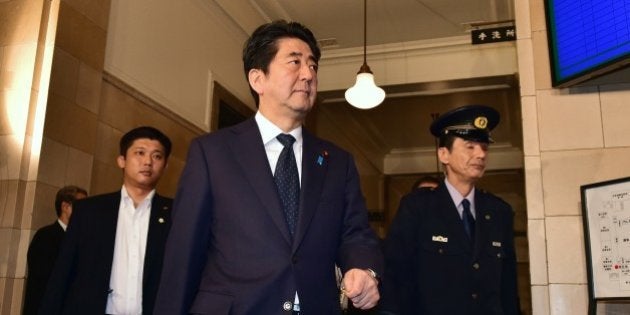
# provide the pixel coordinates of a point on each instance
(361, 288)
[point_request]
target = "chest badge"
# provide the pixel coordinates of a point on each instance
(439, 238)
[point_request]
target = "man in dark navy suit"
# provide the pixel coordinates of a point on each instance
(450, 250)
(264, 209)
(111, 259)
(44, 248)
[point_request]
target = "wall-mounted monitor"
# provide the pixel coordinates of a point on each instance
(587, 38)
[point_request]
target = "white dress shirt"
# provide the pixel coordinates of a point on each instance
(125, 284)
(63, 225)
(273, 147)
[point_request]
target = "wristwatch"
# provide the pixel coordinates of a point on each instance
(374, 275)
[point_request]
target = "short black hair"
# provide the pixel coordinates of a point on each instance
(446, 141)
(262, 46)
(67, 194)
(145, 132)
(425, 179)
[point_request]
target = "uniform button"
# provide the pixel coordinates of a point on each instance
(441, 251)
(476, 265)
(499, 255)
(474, 296)
(287, 306)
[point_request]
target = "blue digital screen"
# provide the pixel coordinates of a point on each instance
(585, 36)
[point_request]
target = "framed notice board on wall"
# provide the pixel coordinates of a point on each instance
(606, 216)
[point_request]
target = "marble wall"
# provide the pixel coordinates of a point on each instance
(61, 118)
(571, 137)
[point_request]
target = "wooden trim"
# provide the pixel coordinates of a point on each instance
(219, 93)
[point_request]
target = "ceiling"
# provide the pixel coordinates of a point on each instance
(401, 123)
(388, 21)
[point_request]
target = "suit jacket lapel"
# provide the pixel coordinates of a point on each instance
(250, 154)
(314, 168)
(159, 222)
(485, 214)
(110, 223)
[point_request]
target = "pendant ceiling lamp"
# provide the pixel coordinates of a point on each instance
(365, 94)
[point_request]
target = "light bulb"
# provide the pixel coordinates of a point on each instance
(365, 94)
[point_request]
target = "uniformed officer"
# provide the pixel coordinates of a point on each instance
(451, 250)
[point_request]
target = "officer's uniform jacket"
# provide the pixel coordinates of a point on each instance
(433, 268)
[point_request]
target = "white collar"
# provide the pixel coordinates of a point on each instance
(269, 131)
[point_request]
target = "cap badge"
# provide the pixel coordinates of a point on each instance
(481, 122)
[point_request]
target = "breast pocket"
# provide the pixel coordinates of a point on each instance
(440, 256)
(494, 255)
(438, 264)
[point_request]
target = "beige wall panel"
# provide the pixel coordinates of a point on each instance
(108, 146)
(78, 168)
(537, 8)
(44, 207)
(95, 10)
(80, 37)
(568, 299)
(10, 157)
(523, 19)
(536, 235)
(565, 171)
(531, 137)
(542, 72)
(64, 75)
(52, 167)
(615, 114)
(534, 188)
(18, 64)
(20, 21)
(569, 121)
(105, 178)
(540, 299)
(525, 53)
(89, 88)
(565, 250)
(8, 202)
(70, 124)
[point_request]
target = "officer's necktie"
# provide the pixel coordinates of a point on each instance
(468, 219)
(288, 181)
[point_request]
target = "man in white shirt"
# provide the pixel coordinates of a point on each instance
(111, 260)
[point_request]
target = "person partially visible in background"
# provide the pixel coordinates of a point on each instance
(429, 182)
(44, 248)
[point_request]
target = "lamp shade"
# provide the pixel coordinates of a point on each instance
(365, 94)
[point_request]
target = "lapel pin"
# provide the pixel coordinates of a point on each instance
(487, 217)
(321, 157)
(439, 238)
(161, 220)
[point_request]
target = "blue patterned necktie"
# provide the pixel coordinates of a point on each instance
(468, 219)
(288, 181)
